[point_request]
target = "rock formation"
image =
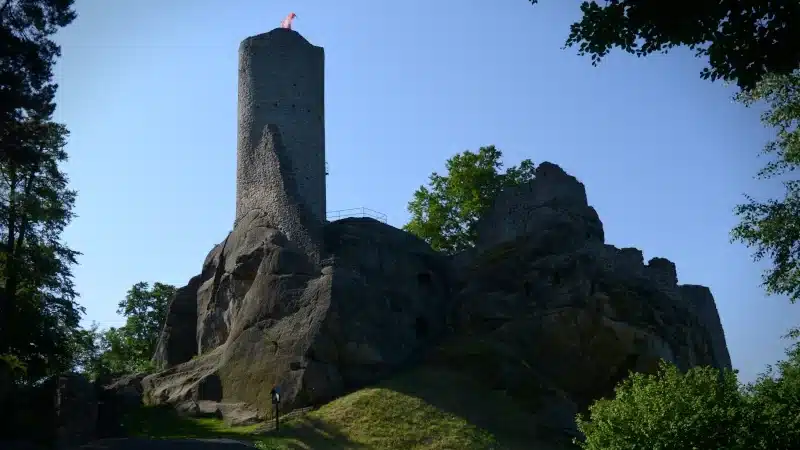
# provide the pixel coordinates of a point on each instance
(58, 412)
(280, 167)
(551, 314)
(542, 308)
(265, 317)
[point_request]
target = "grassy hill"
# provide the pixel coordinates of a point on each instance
(426, 409)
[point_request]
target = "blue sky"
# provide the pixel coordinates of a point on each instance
(148, 90)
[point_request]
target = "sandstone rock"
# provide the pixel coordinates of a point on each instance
(577, 312)
(554, 201)
(267, 316)
(541, 309)
(233, 414)
(58, 412)
(76, 410)
(116, 397)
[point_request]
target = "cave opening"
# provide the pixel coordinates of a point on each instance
(421, 327)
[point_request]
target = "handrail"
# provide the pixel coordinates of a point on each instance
(356, 212)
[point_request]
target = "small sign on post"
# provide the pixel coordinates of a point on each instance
(276, 400)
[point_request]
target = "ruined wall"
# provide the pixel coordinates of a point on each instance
(702, 300)
(553, 199)
(281, 134)
(553, 208)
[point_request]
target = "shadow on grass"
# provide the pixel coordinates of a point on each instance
(163, 423)
(299, 433)
(304, 433)
(463, 395)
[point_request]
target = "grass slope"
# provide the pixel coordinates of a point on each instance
(426, 409)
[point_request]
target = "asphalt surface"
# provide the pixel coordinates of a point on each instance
(166, 444)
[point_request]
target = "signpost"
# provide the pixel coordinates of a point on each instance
(276, 400)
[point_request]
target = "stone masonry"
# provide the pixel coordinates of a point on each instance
(281, 135)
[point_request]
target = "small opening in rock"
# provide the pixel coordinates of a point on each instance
(424, 279)
(527, 287)
(294, 365)
(556, 278)
(421, 327)
(592, 288)
(292, 105)
(210, 388)
(275, 104)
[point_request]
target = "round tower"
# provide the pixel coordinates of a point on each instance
(281, 132)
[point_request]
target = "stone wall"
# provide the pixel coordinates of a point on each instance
(701, 299)
(553, 210)
(281, 134)
(552, 200)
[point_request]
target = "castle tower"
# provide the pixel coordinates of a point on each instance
(280, 168)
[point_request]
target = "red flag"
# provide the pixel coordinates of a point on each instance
(287, 22)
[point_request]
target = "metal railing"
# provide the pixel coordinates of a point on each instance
(356, 212)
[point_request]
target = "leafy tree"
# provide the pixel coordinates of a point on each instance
(27, 57)
(704, 408)
(445, 213)
(701, 409)
(88, 351)
(742, 39)
(772, 227)
(129, 348)
(774, 402)
(38, 308)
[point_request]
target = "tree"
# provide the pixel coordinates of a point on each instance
(445, 214)
(703, 408)
(742, 39)
(27, 58)
(88, 351)
(774, 402)
(129, 348)
(772, 227)
(38, 309)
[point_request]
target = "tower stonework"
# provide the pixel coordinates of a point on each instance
(280, 167)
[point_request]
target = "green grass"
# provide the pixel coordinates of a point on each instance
(424, 410)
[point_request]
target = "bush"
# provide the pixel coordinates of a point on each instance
(701, 409)
(704, 408)
(774, 405)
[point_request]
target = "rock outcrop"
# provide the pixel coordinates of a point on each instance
(541, 308)
(58, 412)
(264, 316)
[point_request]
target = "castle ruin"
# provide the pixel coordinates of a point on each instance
(280, 168)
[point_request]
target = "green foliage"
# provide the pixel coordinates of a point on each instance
(129, 348)
(88, 351)
(38, 308)
(742, 40)
(774, 402)
(704, 408)
(27, 58)
(446, 212)
(772, 227)
(670, 410)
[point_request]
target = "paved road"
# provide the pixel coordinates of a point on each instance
(166, 444)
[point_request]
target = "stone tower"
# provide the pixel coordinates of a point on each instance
(280, 168)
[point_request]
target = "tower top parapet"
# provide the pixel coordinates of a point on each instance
(284, 36)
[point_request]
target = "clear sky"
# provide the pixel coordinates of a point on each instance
(148, 90)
